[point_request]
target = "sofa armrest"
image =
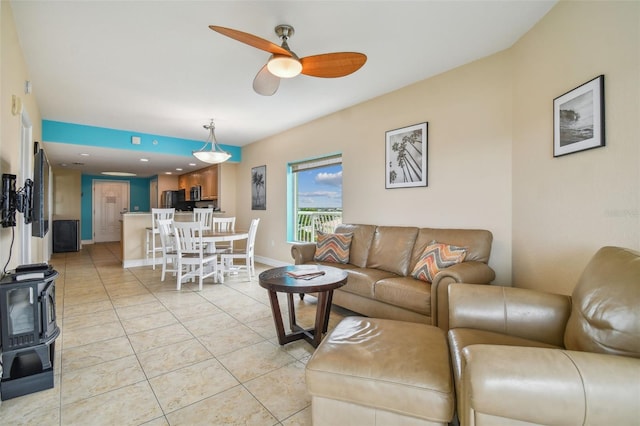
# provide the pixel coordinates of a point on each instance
(517, 312)
(548, 386)
(303, 252)
(465, 272)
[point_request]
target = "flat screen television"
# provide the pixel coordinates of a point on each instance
(40, 215)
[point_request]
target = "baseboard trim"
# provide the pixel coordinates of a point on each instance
(135, 263)
(271, 262)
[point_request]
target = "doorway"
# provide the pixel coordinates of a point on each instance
(110, 200)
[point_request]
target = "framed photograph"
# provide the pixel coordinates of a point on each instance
(578, 118)
(406, 157)
(259, 188)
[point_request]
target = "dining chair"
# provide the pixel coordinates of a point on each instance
(204, 216)
(169, 253)
(150, 241)
(192, 260)
(227, 259)
(224, 224)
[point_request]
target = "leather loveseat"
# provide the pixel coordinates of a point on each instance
(381, 260)
(526, 357)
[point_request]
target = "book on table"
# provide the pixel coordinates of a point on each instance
(305, 271)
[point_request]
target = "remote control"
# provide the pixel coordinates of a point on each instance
(33, 267)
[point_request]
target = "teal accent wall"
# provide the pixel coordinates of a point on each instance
(79, 134)
(138, 198)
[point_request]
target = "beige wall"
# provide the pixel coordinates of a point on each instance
(13, 74)
(67, 192)
(166, 183)
(227, 188)
(490, 151)
(469, 160)
(565, 208)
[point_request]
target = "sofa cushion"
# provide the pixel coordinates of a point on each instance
(460, 338)
(404, 292)
(476, 241)
(391, 249)
(436, 257)
(604, 316)
(333, 248)
(361, 281)
(360, 242)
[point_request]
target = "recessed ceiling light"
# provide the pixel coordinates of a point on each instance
(168, 173)
(192, 164)
(84, 154)
(144, 160)
(63, 164)
(178, 169)
(118, 174)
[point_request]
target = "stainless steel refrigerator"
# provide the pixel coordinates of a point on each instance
(170, 199)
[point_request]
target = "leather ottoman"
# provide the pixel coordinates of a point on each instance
(380, 372)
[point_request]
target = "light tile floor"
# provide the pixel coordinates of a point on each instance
(133, 350)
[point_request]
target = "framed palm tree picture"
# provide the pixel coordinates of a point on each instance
(406, 156)
(259, 188)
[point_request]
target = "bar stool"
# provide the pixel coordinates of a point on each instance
(204, 216)
(150, 241)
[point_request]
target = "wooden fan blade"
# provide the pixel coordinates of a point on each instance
(251, 40)
(265, 83)
(332, 65)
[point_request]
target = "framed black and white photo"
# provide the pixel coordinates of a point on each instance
(259, 188)
(578, 118)
(406, 157)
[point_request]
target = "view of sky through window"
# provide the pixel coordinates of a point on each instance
(320, 188)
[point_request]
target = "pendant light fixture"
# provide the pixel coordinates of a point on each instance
(216, 154)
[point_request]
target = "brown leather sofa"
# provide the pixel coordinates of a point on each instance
(381, 259)
(525, 357)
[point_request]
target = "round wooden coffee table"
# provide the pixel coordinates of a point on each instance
(277, 280)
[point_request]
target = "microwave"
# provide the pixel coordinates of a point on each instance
(195, 193)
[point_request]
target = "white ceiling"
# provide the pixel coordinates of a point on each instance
(155, 66)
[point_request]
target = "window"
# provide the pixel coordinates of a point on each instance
(315, 197)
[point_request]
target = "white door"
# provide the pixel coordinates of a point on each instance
(110, 199)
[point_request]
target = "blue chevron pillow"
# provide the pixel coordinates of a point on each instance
(333, 248)
(436, 257)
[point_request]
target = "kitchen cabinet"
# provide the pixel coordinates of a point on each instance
(184, 182)
(207, 178)
(210, 183)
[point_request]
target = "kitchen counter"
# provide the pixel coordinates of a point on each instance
(134, 232)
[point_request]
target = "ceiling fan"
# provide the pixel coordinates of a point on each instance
(283, 63)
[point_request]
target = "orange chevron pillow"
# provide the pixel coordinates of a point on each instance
(333, 248)
(435, 258)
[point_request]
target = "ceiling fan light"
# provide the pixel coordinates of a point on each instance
(284, 66)
(216, 154)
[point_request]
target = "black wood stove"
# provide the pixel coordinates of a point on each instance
(28, 327)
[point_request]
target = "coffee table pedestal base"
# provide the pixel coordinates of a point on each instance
(311, 335)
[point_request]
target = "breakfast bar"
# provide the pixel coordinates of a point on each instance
(134, 226)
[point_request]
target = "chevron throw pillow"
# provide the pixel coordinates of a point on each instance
(333, 248)
(436, 257)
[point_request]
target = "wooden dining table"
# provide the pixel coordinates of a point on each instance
(209, 236)
(219, 237)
